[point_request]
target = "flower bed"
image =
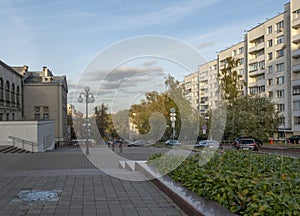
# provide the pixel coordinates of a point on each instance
(243, 182)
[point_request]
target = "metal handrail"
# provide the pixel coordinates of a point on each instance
(23, 142)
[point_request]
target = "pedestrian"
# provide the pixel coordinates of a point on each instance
(121, 146)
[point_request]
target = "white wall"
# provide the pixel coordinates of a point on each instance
(37, 132)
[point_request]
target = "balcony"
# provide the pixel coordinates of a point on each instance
(296, 53)
(296, 23)
(296, 38)
(296, 68)
(256, 48)
(257, 72)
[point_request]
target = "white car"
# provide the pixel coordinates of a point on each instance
(139, 143)
(172, 142)
(208, 143)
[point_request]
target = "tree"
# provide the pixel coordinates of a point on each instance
(251, 116)
(230, 83)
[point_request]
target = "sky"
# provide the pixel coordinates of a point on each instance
(123, 49)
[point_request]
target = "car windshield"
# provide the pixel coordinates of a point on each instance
(248, 141)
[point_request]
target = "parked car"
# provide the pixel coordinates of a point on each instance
(295, 139)
(257, 141)
(208, 143)
(172, 142)
(246, 144)
(138, 143)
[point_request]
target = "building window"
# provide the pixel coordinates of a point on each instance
(270, 43)
(270, 82)
(1, 116)
(296, 90)
(37, 109)
(270, 69)
(46, 109)
(279, 26)
(1, 91)
(270, 56)
(37, 117)
(13, 116)
(296, 120)
(280, 80)
(234, 53)
(7, 116)
(241, 72)
(296, 105)
(7, 93)
(269, 30)
(253, 90)
(46, 116)
(279, 39)
(261, 88)
(18, 96)
(261, 65)
(279, 53)
(296, 14)
(241, 61)
(270, 94)
(280, 93)
(280, 107)
(279, 67)
(241, 50)
(253, 67)
(13, 98)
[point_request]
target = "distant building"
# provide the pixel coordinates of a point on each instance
(45, 98)
(11, 92)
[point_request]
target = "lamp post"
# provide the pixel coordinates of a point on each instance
(89, 98)
(173, 119)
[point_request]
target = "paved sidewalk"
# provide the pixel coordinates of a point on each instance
(82, 188)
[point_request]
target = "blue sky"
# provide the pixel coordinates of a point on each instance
(66, 35)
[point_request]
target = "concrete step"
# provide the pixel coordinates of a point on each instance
(12, 149)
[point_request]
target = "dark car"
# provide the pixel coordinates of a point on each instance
(295, 139)
(246, 144)
(258, 142)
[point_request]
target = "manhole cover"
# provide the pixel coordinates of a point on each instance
(33, 195)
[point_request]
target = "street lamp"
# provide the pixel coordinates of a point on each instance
(173, 120)
(89, 98)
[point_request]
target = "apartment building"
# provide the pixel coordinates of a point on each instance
(269, 66)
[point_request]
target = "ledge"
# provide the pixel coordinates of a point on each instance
(187, 200)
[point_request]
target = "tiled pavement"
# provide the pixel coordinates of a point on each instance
(83, 189)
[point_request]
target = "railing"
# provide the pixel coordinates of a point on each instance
(24, 142)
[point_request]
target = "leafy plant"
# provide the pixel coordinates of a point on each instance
(243, 182)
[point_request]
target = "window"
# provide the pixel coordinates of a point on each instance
(279, 26)
(241, 61)
(279, 53)
(296, 14)
(280, 80)
(1, 91)
(18, 96)
(279, 39)
(234, 53)
(269, 29)
(270, 82)
(259, 53)
(13, 116)
(270, 43)
(270, 93)
(280, 93)
(280, 107)
(1, 116)
(261, 88)
(7, 93)
(241, 72)
(241, 50)
(261, 65)
(37, 109)
(296, 90)
(46, 108)
(253, 67)
(270, 56)
(279, 67)
(296, 105)
(37, 117)
(253, 90)
(46, 116)
(7, 116)
(13, 98)
(270, 69)
(296, 120)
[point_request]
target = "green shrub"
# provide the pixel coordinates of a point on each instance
(244, 182)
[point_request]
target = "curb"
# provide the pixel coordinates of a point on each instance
(187, 200)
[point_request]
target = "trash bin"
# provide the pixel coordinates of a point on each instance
(271, 141)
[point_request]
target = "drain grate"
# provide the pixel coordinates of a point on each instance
(34, 195)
